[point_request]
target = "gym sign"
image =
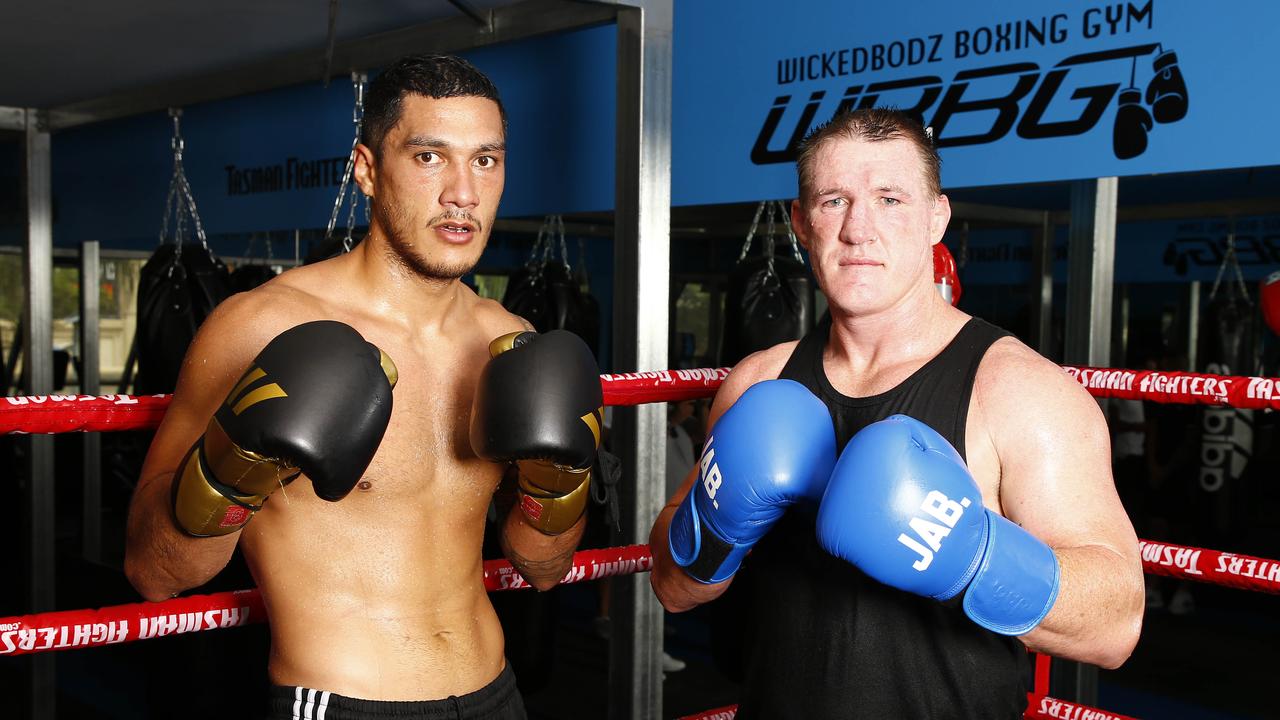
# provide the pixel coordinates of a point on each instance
(292, 174)
(1015, 92)
(1001, 97)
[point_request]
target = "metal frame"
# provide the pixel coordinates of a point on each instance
(1090, 287)
(1091, 270)
(1193, 327)
(466, 8)
(13, 119)
(642, 270)
(37, 366)
(90, 384)
(1042, 287)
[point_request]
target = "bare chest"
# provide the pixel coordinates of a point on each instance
(427, 447)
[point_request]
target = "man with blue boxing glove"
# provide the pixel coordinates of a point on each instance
(971, 514)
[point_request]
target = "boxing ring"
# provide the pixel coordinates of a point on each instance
(77, 629)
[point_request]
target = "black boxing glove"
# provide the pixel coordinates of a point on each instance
(316, 400)
(1167, 91)
(539, 404)
(1129, 134)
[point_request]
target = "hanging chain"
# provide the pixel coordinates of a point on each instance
(564, 250)
(535, 262)
(771, 229)
(785, 216)
(777, 214)
(550, 235)
(358, 83)
(755, 224)
(180, 205)
(1230, 258)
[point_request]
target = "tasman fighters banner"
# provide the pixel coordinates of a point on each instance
(1015, 92)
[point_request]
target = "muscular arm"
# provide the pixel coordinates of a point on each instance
(675, 589)
(542, 559)
(1055, 481)
(161, 560)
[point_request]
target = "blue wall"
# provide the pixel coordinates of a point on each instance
(111, 179)
(1019, 92)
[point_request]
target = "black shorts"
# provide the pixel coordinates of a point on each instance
(498, 700)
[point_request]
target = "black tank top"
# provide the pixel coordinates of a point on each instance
(823, 640)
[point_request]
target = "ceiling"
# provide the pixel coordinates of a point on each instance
(59, 52)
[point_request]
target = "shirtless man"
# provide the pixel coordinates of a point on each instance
(375, 600)
(891, 582)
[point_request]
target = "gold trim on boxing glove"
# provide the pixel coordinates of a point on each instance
(239, 403)
(550, 478)
(388, 367)
(511, 340)
(245, 471)
(552, 513)
(200, 508)
(594, 420)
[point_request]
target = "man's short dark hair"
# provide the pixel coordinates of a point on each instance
(433, 76)
(871, 125)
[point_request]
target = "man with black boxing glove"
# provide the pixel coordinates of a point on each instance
(361, 509)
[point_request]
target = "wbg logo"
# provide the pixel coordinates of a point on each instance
(1164, 101)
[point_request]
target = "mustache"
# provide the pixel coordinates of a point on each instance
(456, 215)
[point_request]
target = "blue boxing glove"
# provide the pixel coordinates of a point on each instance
(902, 507)
(773, 448)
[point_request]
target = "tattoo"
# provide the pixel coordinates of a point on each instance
(550, 568)
(540, 568)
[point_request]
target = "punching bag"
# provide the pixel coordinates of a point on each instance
(250, 274)
(1229, 346)
(176, 292)
(248, 277)
(769, 297)
(178, 286)
(527, 295)
(551, 296)
(588, 309)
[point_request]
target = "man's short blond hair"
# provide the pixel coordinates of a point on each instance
(871, 125)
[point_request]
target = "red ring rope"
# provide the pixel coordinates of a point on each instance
(1243, 572)
(67, 629)
(1043, 707)
(39, 414)
(1039, 707)
(721, 713)
(88, 628)
(42, 414)
(1250, 393)
(90, 413)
